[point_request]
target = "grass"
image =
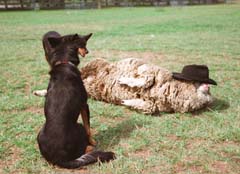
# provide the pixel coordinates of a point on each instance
(201, 142)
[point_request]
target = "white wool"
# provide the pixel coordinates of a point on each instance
(141, 86)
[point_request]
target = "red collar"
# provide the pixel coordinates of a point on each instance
(63, 62)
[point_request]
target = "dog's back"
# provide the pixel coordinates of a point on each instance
(62, 139)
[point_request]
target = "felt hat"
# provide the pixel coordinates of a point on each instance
(198, 73)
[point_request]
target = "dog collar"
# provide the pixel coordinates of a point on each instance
(64, 62)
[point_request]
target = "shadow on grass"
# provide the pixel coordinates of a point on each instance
(113, 135)
(217, 105)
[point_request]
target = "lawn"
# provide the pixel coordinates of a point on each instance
(202, 142)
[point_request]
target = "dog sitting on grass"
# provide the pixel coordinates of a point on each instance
(82, 50)
(62, 141)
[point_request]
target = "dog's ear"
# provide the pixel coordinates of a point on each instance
(54, 41)
(87, 36)
(76, 36)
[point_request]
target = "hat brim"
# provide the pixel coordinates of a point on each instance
(180, 76)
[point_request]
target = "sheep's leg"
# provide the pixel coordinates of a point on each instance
(132, 82)
(139, 104)
(40, 93)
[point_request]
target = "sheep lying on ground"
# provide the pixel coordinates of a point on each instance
(143, 87)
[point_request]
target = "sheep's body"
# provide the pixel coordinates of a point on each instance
(141, 86)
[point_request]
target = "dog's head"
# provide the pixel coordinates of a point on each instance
(80, 42)
(67, 48)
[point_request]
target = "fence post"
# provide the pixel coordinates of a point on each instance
(6, 4)
(21, 3)
(99, 4)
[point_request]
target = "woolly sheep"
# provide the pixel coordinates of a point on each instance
(144, 87)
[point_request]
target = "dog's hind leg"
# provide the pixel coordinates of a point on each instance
(85, 114)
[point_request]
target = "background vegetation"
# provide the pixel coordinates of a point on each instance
(203, 142)
(86, 4)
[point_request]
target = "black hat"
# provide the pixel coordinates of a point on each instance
(199, 73)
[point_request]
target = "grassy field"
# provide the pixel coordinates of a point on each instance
(201, 142)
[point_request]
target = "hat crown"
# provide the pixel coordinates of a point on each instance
(196, 71)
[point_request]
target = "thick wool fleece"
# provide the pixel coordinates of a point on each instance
(144, 87)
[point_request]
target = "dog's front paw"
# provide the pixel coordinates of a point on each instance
(40, 93)
(92, 141)
(89, 149)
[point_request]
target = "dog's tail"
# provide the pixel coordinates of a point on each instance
(88, 158)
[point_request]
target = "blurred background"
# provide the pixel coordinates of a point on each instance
(86, 4)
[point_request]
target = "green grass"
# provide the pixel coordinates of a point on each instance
(202, 142)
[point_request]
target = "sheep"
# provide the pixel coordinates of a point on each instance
(147, 88)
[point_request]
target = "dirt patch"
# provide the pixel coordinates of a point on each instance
(160, 168)
(173, 137)
(228, 149)
(228, 143)
(195, 143)
(183, 168)
(142, 154)
(194, 163)
(67, 171)
(14, 155)
(27, 89)
(220, 167)
(35, 110)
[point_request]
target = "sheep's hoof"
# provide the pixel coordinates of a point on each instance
(133, 102)
(126, 102)
(40, 93)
